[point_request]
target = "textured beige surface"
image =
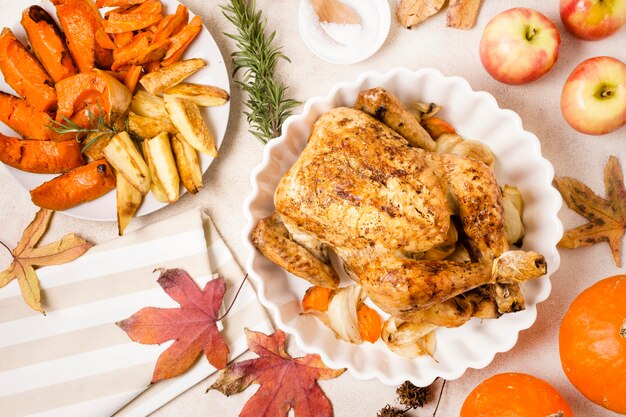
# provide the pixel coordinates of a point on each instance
(454, 52)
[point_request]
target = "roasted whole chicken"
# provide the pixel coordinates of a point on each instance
(369, 187)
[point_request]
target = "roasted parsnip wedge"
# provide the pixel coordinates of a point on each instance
(164, 170)
(188, 164)
(202, 95)
(124, 156)
(155, 184)
(158, 81)
(187, 118)
(128, 201)
(148, 127)
(146, 105)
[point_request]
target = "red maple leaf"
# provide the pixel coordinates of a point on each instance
(192, 326)
(286, 382)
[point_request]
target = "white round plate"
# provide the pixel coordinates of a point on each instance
(214, 73)
(323, 45)
(475, 115)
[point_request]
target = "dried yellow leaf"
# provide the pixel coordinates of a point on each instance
(26, 256)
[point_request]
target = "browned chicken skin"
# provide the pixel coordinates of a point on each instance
(383, 206)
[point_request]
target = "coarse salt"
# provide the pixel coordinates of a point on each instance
(346, 43)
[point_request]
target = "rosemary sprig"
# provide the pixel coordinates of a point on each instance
(257, 56)
(97, 124)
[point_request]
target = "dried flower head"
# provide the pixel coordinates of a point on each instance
(412, 396)
(390, 411)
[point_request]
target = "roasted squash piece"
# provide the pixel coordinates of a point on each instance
(23, 72)
(24, 119)
(40, 156)
(77, 91)
(75, 187)
(47, 43)
(80, 20)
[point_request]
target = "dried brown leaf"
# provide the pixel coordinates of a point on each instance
(607, 217)
(411, 12)
(26, 256)
(462, 14)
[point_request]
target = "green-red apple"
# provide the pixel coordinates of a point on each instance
(593, 100)
(519, 45)
(593, 19)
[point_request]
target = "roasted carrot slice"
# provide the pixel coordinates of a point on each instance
(25, 74)
(40, 156)
(125, 54)
(104, 41)
(139, 51)
(75, 187)
(437, 127)
(122, 9)
(317, 298)
(181, 41)
(149, 6)
(80, 20)
(132, 77)
(370, 324)
(48, 43)
(97, 88)
(122, 39)
(169, 26)
(118, 3)
(120, 23)
(23, 118)
(183, 13)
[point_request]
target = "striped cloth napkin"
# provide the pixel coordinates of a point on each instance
(75, 361)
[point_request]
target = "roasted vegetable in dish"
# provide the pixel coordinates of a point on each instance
(77, 186)
(164, 167)
(80, 20)
(128, 200)
(123, 155)
(187, 163)
(23, 72)
(202, 95)
(40, 156)
(47, 43)
(187, 118)
(158, 81)
(23, 118)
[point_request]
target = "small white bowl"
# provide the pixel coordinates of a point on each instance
(322, 45)
(519, 162)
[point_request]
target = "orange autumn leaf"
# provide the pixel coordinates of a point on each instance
(26, 255)
(607, 216)
(192, 326)
(286, 383)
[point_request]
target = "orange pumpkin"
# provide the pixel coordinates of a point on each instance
(592, 343)
(515, 395)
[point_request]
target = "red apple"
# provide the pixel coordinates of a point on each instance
(519, 45)
(593, 100)
(593, 19)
